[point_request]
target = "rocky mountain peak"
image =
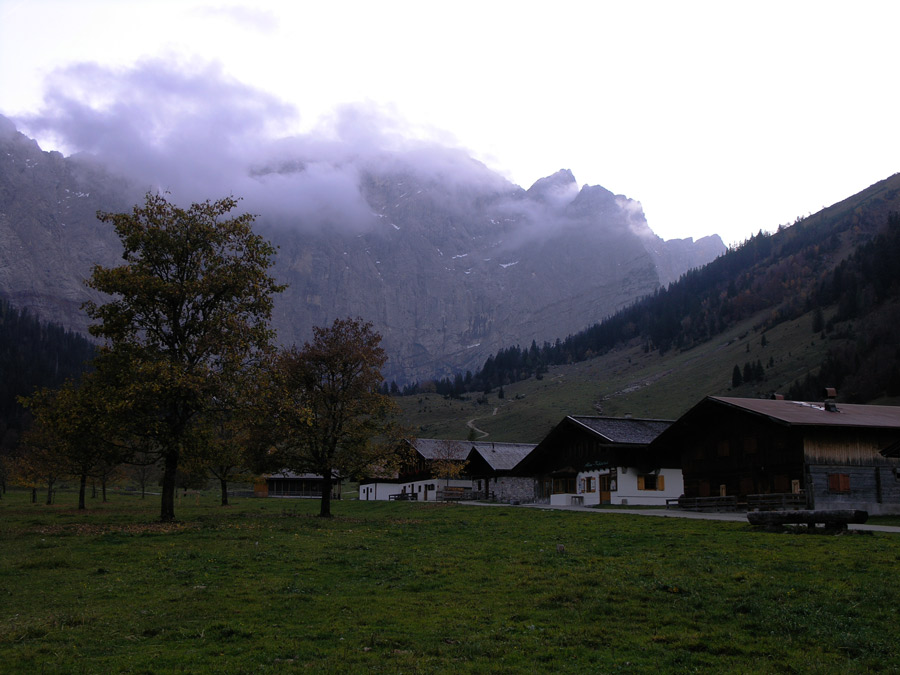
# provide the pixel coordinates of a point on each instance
(558, 189)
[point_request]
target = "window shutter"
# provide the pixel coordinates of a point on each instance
(640, 482)
(839, 482)
(834, 482)
(660, 482)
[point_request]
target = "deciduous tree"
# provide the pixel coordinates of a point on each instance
(71, 432)
(333, 418)
(190, 309)
(446, 462)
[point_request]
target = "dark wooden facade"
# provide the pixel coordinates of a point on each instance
(831, 454)
(297, 485)
(733, 453)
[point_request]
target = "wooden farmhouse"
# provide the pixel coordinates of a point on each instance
(602, 460)
(288, 484)
(815, 455)
(490, 466)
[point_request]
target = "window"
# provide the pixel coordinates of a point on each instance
(839, 483)
(591, 484)
(563, 486)
(651, 481)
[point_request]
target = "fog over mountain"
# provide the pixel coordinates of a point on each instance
(373, 218)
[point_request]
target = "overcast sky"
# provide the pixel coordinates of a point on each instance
(719, 117)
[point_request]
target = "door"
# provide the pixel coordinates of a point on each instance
(603, 487)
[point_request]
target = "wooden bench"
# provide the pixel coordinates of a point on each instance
(834, 520)
(454, 493)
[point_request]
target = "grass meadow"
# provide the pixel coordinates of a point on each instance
(265, 586)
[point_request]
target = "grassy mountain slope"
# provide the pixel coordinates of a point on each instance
(624, 380)
(823, 273)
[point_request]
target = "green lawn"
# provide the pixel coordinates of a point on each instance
(264, 586)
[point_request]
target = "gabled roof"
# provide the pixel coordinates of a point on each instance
(802, 413)
(621, 441)
(432, 448)
(501, 456)
(307, 476)
(626, 430)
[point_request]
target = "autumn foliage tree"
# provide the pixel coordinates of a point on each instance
(333, 418)
(71, 433)
(447, 462)
(189, 313)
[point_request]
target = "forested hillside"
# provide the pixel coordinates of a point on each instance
(840, 263)
(33, 354)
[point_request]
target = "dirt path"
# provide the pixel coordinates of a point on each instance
(471, 425)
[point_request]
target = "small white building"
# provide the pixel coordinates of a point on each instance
(428, 490)
(627, 486)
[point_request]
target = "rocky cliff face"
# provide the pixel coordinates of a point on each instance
(448, 272)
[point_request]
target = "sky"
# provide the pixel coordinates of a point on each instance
(718, 117)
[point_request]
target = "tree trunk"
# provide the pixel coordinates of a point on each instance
(325, 504)
(34, 495)
(81, 490)
(170, 469)
(93, 489)
(224, 491)
(49, 492)
(103, 488)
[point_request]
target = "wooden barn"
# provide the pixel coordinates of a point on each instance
(490, 467)
(602, 460)
(812, 455)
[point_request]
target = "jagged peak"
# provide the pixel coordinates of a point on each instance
(558, 189)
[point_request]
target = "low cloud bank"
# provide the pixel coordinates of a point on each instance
(191, 130)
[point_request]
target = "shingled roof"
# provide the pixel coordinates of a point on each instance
(431, 448)
(802, 413)
(502, 456)
(620, 441)
(626, 430)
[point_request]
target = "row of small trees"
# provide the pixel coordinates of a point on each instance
(188, 378)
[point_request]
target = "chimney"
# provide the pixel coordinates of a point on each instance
(830, 396)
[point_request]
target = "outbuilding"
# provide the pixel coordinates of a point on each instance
(289, 484)
(491, 465)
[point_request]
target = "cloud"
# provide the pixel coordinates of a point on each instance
(189, 129)
(244, 17)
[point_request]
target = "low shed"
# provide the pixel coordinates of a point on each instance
(289, 484)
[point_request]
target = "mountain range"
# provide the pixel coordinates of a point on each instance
(449, 266)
